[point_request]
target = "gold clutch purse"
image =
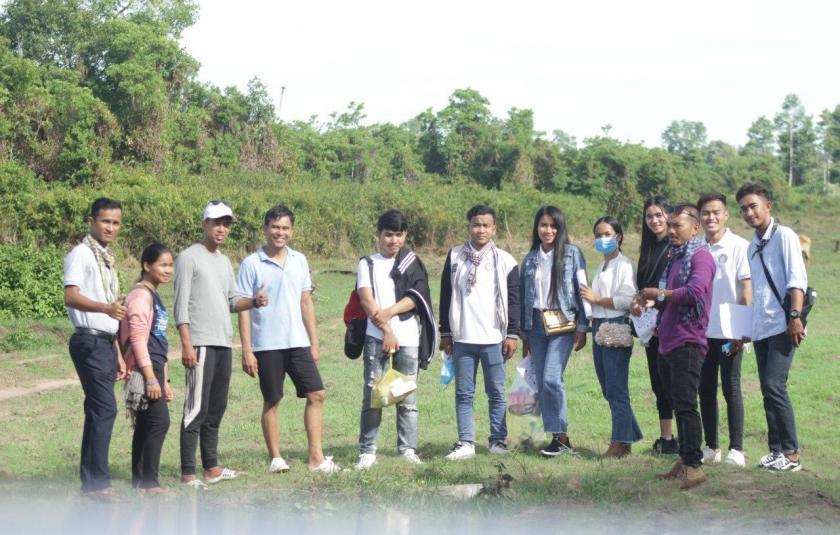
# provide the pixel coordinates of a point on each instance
(554, 323)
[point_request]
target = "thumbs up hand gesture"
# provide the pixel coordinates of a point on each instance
(261, 299)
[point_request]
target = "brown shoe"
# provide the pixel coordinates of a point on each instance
(692, 477)
(617, 450)
(674, 473)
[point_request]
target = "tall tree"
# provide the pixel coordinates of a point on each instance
(830, 141)
(760, 138)
(683, 137)
(790, 125)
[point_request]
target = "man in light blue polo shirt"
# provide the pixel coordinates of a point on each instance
(282, 337)
(775, 251)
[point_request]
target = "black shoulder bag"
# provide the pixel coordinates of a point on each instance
(355, 319)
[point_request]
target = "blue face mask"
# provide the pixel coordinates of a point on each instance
(606, 245)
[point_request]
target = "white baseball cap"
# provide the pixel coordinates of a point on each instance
(218, 210)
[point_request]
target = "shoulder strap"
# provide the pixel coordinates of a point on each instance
(759, 250)
(370, 271)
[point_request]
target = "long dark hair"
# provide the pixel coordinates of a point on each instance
(560, 242)
(649, 239)
(150, 255)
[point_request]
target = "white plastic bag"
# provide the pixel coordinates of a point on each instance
(526, 370)
(522, 399)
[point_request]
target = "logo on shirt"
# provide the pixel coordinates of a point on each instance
(722, 259)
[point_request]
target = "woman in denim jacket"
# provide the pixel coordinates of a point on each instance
(548, 281)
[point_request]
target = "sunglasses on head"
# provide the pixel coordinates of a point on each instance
(214, 203)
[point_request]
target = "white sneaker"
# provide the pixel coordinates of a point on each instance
(768, 459)
(327, 467)
(499, 448)
(411, 457)
(710, 455)
(278, 466)
(366, 460)
(736, 457)
(461, 451)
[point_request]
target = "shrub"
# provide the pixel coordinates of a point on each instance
(30, 282)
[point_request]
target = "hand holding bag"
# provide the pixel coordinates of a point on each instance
(392, 387)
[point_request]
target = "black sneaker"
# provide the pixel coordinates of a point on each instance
(557, 448)
(667, 447)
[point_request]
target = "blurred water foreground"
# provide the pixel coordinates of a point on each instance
(196, 514)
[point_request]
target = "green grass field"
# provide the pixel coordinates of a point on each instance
(42, 428)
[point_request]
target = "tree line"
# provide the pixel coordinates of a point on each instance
(93, 89)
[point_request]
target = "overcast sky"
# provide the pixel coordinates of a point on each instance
(634, 65)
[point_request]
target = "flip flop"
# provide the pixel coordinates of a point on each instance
(195, 484)
(225, 475)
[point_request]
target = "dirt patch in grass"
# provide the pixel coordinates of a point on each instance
(11, 392)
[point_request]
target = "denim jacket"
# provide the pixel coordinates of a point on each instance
(568, 292)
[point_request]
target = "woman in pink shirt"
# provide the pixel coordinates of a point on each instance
(143, 331)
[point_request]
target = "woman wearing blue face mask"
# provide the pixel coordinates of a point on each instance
(610, 295)
(549, 289)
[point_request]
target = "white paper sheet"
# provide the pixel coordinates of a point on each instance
(587, 306)
(735, 321)
(645, 324)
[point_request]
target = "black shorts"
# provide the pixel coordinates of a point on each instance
(297, 362)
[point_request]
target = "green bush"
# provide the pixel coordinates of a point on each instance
(30, 282)
(18, 341)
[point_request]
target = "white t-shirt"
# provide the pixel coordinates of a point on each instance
(542, 279)
(81, 269)
(732, 263)
(479, 318)
(408, 331)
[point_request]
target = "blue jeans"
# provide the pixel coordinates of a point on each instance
(467, 357)
(612, 366)
(377, 363)
(549, 356)
(774, 356)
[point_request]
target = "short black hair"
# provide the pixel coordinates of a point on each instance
(753, 188)
(481, 209)
(392, 220)
(278, 212)
(103, 203)
(709, 197)
(687, 208)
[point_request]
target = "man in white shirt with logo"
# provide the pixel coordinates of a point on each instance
(91, 293)
(732, 284)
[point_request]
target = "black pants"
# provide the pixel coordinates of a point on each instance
(95, 360)
(204, 406)
(150, 428)
(680, 373)
(663, 401)
(730, 379)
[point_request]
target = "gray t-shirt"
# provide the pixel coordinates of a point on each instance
(205, 295)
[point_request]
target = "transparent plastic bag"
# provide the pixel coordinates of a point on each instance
(392, 387)
(447, 368)
(522, 399)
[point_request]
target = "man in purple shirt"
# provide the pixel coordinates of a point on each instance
(683, 298)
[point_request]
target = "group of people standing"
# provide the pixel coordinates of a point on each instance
(489, 302)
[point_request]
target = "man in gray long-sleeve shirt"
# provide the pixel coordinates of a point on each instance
(205, 295)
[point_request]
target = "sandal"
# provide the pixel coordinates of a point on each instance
(195, 484)
(225, 475)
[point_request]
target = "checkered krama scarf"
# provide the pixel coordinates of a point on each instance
(107, 267)
(475, 258)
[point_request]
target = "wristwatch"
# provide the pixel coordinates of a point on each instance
(660, 297)
(794, 314)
